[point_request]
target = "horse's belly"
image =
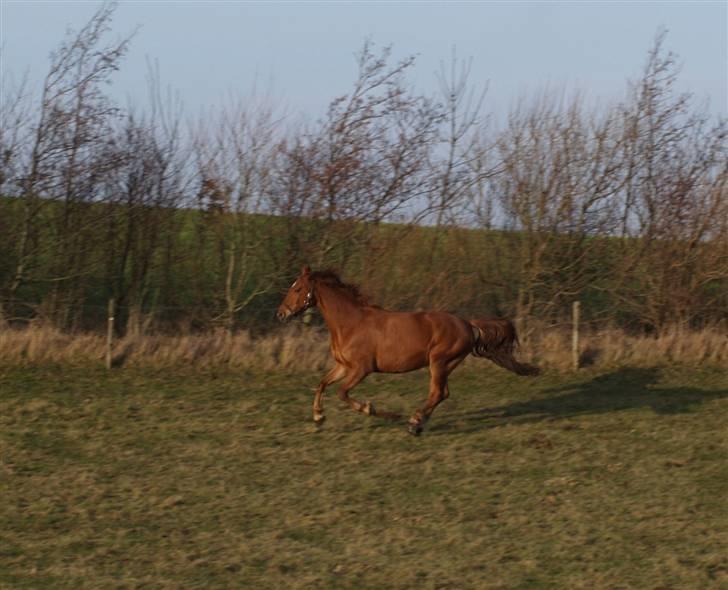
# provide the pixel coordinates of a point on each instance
(401, 363)
(404, 348)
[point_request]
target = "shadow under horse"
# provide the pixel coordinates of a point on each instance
(624, 389)
(368, 339)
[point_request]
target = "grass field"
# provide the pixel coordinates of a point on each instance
(202, 479)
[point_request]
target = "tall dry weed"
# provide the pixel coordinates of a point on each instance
(607, 348)
(298, 348)
(287, 349)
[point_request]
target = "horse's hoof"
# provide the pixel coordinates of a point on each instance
(369, 410)
(414, 429)
(319, 420)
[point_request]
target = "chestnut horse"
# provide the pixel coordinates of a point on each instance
(368, 339)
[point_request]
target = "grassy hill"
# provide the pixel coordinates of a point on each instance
(197, 269)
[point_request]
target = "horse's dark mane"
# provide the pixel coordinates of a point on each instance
(331, 279)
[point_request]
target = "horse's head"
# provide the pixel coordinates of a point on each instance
(299, 298)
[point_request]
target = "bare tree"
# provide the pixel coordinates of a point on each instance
(14, 129)
(142, 198)
(557, 186)
(365, 163)
(673, 194)
(62, 164)
(457, 171)
(234, 168)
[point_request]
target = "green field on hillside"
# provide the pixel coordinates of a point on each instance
(180, 277)
(143, 478)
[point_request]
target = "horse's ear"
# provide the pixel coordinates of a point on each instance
(306, 270)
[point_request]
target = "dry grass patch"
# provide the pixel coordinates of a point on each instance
(297, 347)
(612, 348)
(285, 349)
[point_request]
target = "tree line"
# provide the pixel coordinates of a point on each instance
(424, 200)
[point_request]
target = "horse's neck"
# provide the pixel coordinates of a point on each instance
(338, 311)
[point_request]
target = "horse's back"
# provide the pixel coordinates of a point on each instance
(405, 341)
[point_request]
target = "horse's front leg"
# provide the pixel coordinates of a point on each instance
(355, 377)
(332, 376)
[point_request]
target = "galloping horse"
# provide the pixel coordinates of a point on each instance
(368, 339)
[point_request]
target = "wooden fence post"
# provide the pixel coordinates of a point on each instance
(575, 334)
(109, 332)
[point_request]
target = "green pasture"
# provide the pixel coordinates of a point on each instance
(183, 479)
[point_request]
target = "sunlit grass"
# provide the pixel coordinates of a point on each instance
(218, 479)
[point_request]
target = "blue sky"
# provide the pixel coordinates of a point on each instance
(302, 53)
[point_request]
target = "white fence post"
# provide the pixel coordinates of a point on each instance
(575, 334)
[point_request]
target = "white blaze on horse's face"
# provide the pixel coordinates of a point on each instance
(298, 298)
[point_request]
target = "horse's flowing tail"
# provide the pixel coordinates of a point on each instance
(496, 340)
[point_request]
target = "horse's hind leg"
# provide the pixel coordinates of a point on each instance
(332, 376)
(438, 392)
(449, 368)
